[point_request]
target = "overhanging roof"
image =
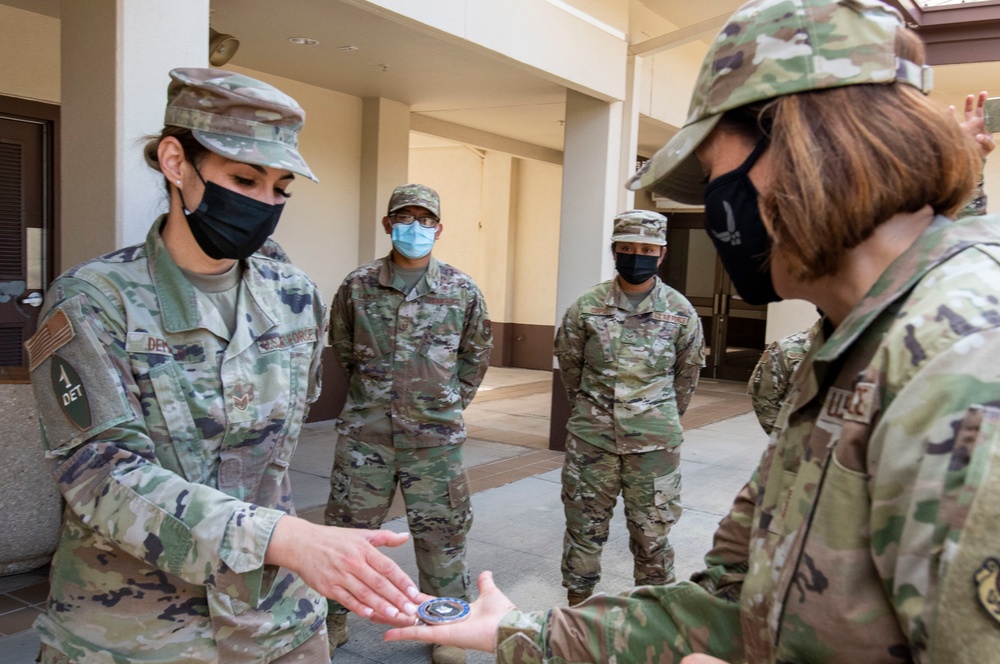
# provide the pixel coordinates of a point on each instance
(955, 31)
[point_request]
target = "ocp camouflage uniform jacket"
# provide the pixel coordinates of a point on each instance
(869, 532)
(771, 378)
(629, 375)
(170, 442)
(414, 361)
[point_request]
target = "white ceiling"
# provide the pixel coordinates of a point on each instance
(441, 77)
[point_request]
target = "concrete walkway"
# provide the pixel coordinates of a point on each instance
(518, 526)
(518, 520)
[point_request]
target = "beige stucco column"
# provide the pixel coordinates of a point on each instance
(385, 155)
(590, 199)
(630, 130)
(115, 59)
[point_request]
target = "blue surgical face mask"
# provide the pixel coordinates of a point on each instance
(413, 240)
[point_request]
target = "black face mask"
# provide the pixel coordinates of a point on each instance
(733, 221)
(636, 268)
(231, 225)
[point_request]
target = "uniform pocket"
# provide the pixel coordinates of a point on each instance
(458, 491)
(602, 332)
(667, 495)
(180, 449)
(371, 331)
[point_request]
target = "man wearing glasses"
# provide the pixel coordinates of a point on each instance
(413, 335)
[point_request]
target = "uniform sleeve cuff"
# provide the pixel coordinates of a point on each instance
(244, 575)
(520, 636)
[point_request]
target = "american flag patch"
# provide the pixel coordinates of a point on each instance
(50, 337)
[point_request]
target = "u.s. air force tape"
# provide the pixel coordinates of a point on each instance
(443, 610)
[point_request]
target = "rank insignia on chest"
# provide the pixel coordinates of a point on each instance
(987, 581)
(241, 396)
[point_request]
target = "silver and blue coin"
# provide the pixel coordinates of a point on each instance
(442, 610)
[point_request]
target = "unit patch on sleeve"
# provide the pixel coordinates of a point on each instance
(987, 581)
(70, 393)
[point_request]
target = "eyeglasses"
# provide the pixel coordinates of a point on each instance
(403, 219)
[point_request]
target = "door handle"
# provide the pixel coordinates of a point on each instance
(33, 300)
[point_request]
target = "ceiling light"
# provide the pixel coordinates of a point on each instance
(348, 49)
(303, 41)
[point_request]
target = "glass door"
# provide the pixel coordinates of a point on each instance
(734, 330)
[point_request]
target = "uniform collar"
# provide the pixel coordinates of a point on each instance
(943, 239)
(655, 301)
(386, 277)
(179, 300)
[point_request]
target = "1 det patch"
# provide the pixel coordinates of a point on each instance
(70, 393)
(987, 579)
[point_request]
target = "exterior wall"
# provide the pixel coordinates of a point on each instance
(319, 228)
(536, 242)
(787, 317)
(29, 51)
(456, 173)
(668, 77)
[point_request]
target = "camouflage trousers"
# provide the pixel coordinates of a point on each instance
(315, 649)
(435, 491)
(650, 486)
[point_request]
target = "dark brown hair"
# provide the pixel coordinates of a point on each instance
(194, 151)
(844, 160)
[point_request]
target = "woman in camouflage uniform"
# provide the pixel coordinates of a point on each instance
(173, 378)
(629, 352)
(868, 532)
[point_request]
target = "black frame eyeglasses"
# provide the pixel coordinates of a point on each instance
(404, 219)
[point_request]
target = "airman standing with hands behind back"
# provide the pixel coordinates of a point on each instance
(629, 350)
(414, 338)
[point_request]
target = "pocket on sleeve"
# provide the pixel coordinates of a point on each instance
(78, 390)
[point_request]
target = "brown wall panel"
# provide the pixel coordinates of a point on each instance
(531, 346)
(500, 357)
(331, 399)
(560, 414)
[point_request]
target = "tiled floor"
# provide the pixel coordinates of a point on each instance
(508, 425)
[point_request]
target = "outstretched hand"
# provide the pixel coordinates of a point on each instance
(344, 564)
(974, 124)
(477, 632)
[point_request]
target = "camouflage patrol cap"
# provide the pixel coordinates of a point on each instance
(642, 226)
(237, 117)
(415, 194)
(770, 48)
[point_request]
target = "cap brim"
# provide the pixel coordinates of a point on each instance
(414, 204)
(638, 239)
(674, 171)
(251, 151)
